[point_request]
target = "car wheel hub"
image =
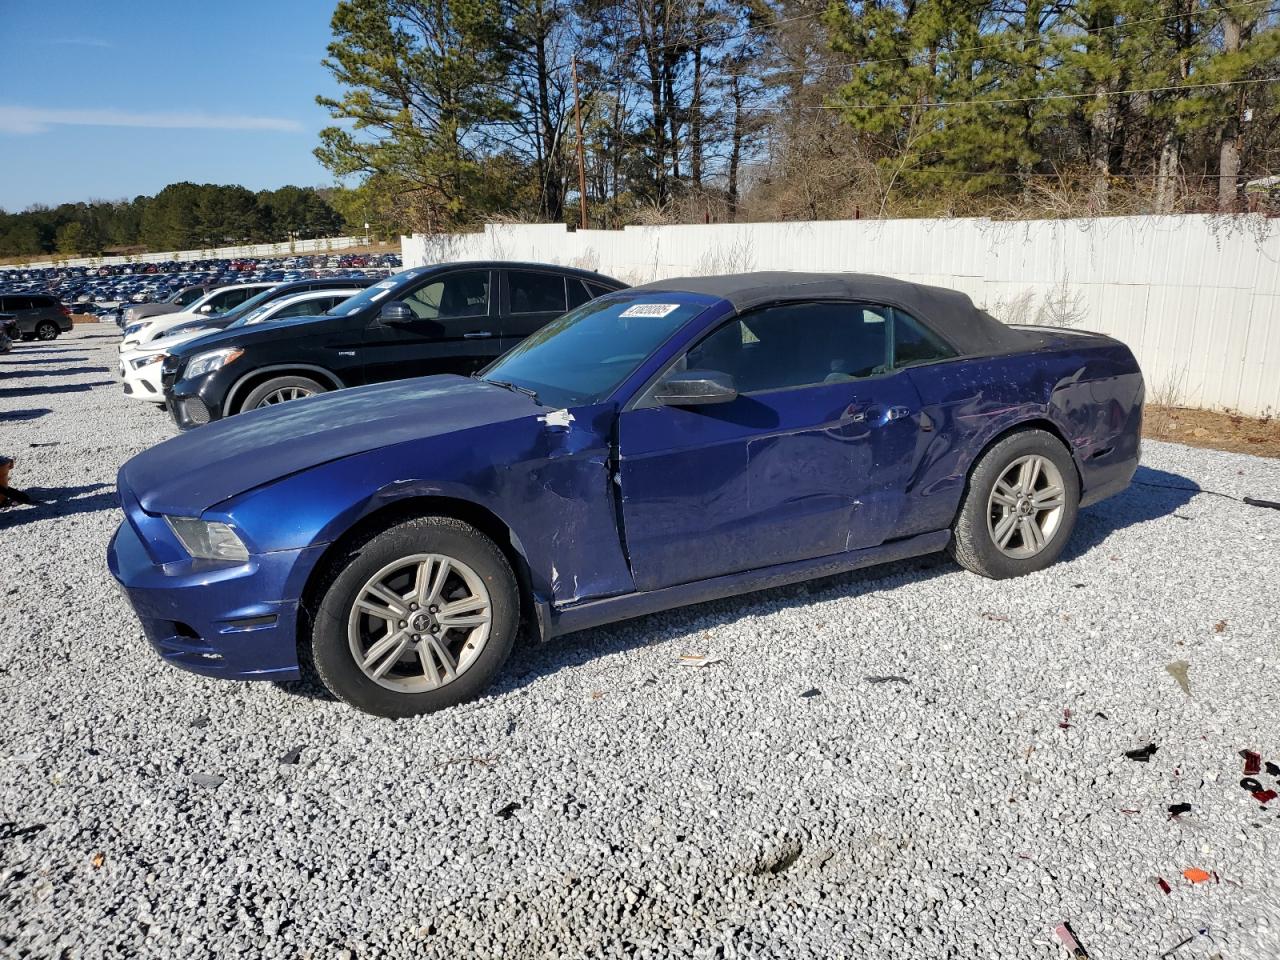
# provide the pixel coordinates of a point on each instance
(1025, 507)
(419, 623)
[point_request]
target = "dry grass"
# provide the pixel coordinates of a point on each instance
(1215, 430)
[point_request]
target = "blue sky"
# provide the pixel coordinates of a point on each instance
(104, 100)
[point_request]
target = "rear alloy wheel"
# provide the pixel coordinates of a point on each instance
(421, 617)
(281, 390)
(47, 330)
(1019, 509)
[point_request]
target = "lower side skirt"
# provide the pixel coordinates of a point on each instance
(593, 613)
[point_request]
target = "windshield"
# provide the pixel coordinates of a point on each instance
(582, 357)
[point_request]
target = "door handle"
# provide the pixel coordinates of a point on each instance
(477, 335)
(876, 414)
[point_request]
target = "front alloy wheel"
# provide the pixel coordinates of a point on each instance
(419, 623)
(415, 618)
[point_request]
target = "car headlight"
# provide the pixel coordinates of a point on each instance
(133, 328)
(141, 362)
(203, 363)
(208, 539)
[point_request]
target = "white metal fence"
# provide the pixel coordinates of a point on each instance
(1197, 298)
(284, 249)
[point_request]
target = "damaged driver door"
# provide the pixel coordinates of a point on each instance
(809, 457)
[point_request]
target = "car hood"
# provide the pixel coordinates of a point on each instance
(192, 472)
(242, 336)
(171, 339)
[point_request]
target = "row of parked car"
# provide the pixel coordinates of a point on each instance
(215, 351)
(109, 290)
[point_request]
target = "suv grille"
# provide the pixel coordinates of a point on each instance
(194, 411)
(169, 371)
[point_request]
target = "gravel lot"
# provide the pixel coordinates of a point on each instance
(608, 801)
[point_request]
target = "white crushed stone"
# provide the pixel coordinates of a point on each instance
(605, 801)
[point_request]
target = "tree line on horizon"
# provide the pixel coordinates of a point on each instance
(453, 112)
(182, 216)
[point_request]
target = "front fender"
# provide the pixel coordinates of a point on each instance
(548, 485)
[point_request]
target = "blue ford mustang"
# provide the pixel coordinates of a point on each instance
(675, 442)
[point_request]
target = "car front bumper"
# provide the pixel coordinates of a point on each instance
(235, 621)
(195, 402)
(143, 383)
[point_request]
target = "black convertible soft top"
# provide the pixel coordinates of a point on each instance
(950, 313)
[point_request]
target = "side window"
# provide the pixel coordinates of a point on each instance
(913, 343)
(190, 296)
(578, 292)
(226, 300)
(596, 290)
(17, 303)
(452, 297)
(536, 292)
(303, 308)
(798, 345)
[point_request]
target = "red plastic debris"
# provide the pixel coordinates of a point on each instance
(1163, 884)
(1264, 796)
(1252, 762)
(1195, 875)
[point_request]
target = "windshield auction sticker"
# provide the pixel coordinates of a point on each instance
(649, 309)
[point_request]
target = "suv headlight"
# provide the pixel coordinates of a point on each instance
(208, 539)
(203, 363)
(133, 328)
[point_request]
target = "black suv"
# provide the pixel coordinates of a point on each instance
(39, 316)
(451, 318)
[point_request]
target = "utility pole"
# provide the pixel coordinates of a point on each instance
(582, 164)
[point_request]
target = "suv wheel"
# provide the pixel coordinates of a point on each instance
(281, 390)
(1020, 508)
(417, 618)
(46, 330)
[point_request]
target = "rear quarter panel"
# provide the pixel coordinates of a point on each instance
(1085, 387)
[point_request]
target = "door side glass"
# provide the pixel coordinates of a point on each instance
(451, 297)
(536, 292)
(303, 308)
(798, 345)
(578, 292)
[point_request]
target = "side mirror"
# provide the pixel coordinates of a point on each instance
(396, 311)
(691, 388)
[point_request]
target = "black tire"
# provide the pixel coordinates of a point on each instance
(973, 543)
(331, 649)
(261, 394)
(47, 330)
